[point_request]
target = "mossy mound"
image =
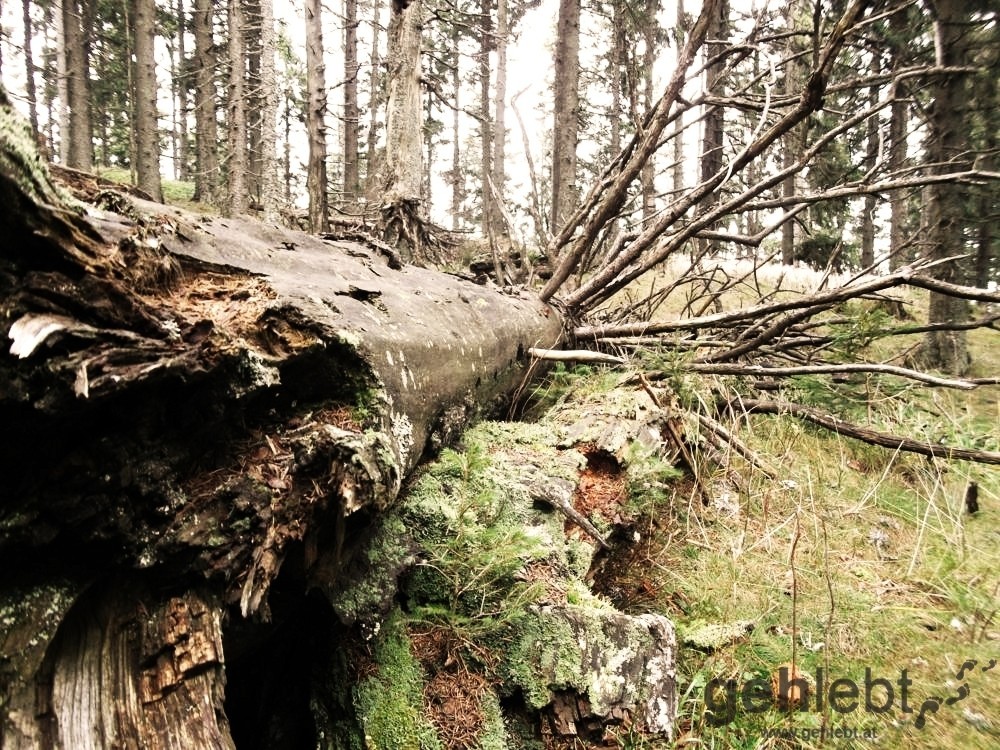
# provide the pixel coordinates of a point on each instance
(495, 616)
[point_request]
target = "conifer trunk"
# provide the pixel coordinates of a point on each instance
(566, 104)
(238, 196)
(147, 132)
(206, 180)
(316, 184)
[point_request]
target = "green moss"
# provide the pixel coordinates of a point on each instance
(494, 734)
(471, 517)
(545, 656)
(389, 703)
(21, 162)
(481, 539)
(366, 595)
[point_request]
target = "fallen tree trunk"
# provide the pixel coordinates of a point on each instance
(201, 418)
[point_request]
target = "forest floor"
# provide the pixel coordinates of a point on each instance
(856, 564)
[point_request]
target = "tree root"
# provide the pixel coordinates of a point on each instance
(404, 228)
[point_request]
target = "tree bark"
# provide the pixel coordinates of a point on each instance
(376, 91)
(352, 114)
(206, 181)
(147, 132)
(498, 176)
(79, 137)
(647, 177)
(458, 190)
(29, 67)
(238, 197)
(680, 34)
(253, 91)
(62, 79)
(898, 24)
(487, 201)
(565, 108)
(617, 60)
(789, 144)
(182, 81)
(872, 139)
(404, 116)
(987, 257)
(402, 214)
(947, 143)
(316, 182)
(270, 181)
(712, 142)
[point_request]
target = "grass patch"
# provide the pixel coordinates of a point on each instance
(854, 561)
(175, 192)
(889, 573)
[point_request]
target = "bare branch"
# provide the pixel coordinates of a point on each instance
(578, 355)
(614, 276)
(602, 204)
(868, 188)
(903, 372)
(841, 294)
(872, 437)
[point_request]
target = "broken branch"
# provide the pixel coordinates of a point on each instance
(872, 437)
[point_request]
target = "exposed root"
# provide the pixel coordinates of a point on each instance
(404, 228)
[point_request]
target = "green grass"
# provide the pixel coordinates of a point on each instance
(889, 571)
(923, 600)
(175, 192)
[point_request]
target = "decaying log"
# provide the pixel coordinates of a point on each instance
(196, 409)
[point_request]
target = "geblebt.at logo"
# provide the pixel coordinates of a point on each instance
(791, 690)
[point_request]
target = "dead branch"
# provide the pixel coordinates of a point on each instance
(872, 437)
(727, 438)
(838, 369)
(841, 294)
(604, 201)
(852, 189)
(625, 267)
(578, 355)
(774, 331)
